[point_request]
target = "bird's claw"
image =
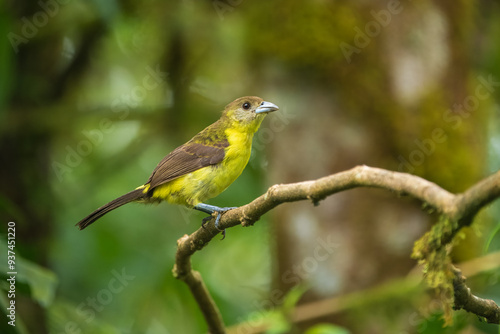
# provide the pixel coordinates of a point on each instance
(217, 219)
(207, 219)
(204, 221)
(211, 209)
(219, 214)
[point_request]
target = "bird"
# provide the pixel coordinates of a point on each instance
(203, 167)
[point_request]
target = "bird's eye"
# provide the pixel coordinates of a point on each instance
(246, 105)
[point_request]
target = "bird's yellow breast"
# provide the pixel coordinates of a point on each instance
(210, 181)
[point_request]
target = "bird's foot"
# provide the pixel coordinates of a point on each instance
(205, 220)
(220, 211)
(210, 209)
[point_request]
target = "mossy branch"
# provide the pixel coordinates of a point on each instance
(464, 299)
(458, 211)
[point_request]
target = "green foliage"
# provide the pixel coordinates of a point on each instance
(31, 280)
(42, 283)
(436, 324)
(326, 329)
(277, 320)
(495, 233)
(5, 66)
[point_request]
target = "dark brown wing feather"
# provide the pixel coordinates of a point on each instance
(186, 159)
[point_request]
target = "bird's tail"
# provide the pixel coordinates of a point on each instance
(116, 203)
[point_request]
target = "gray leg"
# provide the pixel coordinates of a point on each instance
(207, 208)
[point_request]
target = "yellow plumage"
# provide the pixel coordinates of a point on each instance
(203, 167)
(208, 182)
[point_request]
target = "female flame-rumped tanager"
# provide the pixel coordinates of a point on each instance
(203, 167)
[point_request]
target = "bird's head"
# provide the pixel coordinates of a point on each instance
(248, 111)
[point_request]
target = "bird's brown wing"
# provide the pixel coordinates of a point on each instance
(184, 160)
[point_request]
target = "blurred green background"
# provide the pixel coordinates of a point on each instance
(94, 93)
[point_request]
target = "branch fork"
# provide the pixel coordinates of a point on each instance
(457, 211)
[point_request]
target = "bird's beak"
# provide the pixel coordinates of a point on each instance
(266, 107)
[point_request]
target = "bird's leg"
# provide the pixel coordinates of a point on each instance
(210, 209)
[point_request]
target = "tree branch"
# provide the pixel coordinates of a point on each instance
(186, 246)
(460, 209)
(464, 299)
